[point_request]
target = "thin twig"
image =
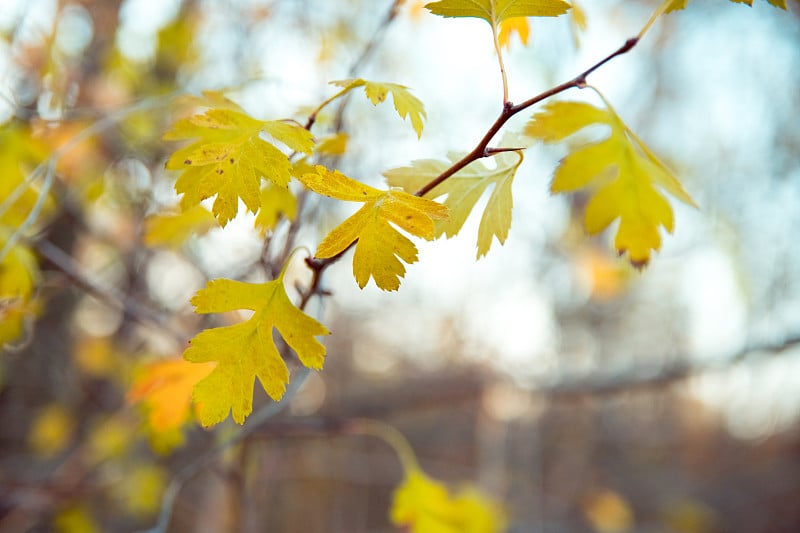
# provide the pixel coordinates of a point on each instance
(509, 110)
(317, 266)
(654, 376)
(372, 45)
(142, 314)
(33, 215)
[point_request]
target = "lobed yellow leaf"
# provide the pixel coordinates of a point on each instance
(675, 5)
(172, 229)
(247, 350)
(620, 172)
(405, 103)
(496, 11)
(229, 158)
(332, 145)
(508, 27)
(423, 505)
(275, 203)
(19, 274)
(463, 191)
(380, 249)
(578, 16)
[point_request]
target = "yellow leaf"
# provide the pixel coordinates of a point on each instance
(690, 516)
(608, 512)
(275, 202)
(74, 520)
(247, 350)
(229, 157)
(165, 390)
(379, 246)
(109, 438)
(463, 190)
(621, 173)
(332, 145)
(577, 22)
(19, 155)
(405, 103)
(496, 11)
(95, 357)
(141, 493)
(51, 430)
(675, 5)
(424, 505)
(19, 275)
(518, 25)
(578, 16)
(172, 230)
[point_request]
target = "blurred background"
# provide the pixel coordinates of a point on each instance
(583, 394)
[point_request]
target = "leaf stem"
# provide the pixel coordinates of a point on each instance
(499, 51)
(657, 13)
(312, 118)
(388, 434)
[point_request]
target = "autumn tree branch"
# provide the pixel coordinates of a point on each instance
(646, 377)
(482, 149)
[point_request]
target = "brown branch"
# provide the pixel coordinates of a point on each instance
(480, 151)
(509, 110)
(655, 376)
(142, 314)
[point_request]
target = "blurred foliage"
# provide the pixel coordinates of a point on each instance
(97, 268)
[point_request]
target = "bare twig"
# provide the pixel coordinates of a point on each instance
(657, 376)
(109, 295)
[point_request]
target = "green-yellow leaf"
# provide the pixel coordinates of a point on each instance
(229, 157)
(621, 173)
(380, 249)
(172, 230)
(463, 190)
(247, 350)
(405, 103)
(496, 11)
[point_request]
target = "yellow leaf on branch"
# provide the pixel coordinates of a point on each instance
(675, 5)
(247, 350)
(405, 103)
(623, 176)
(275, 203)
(496, 11)
(229, 157)
(172, 229)
(379, 248)
(463, 191)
